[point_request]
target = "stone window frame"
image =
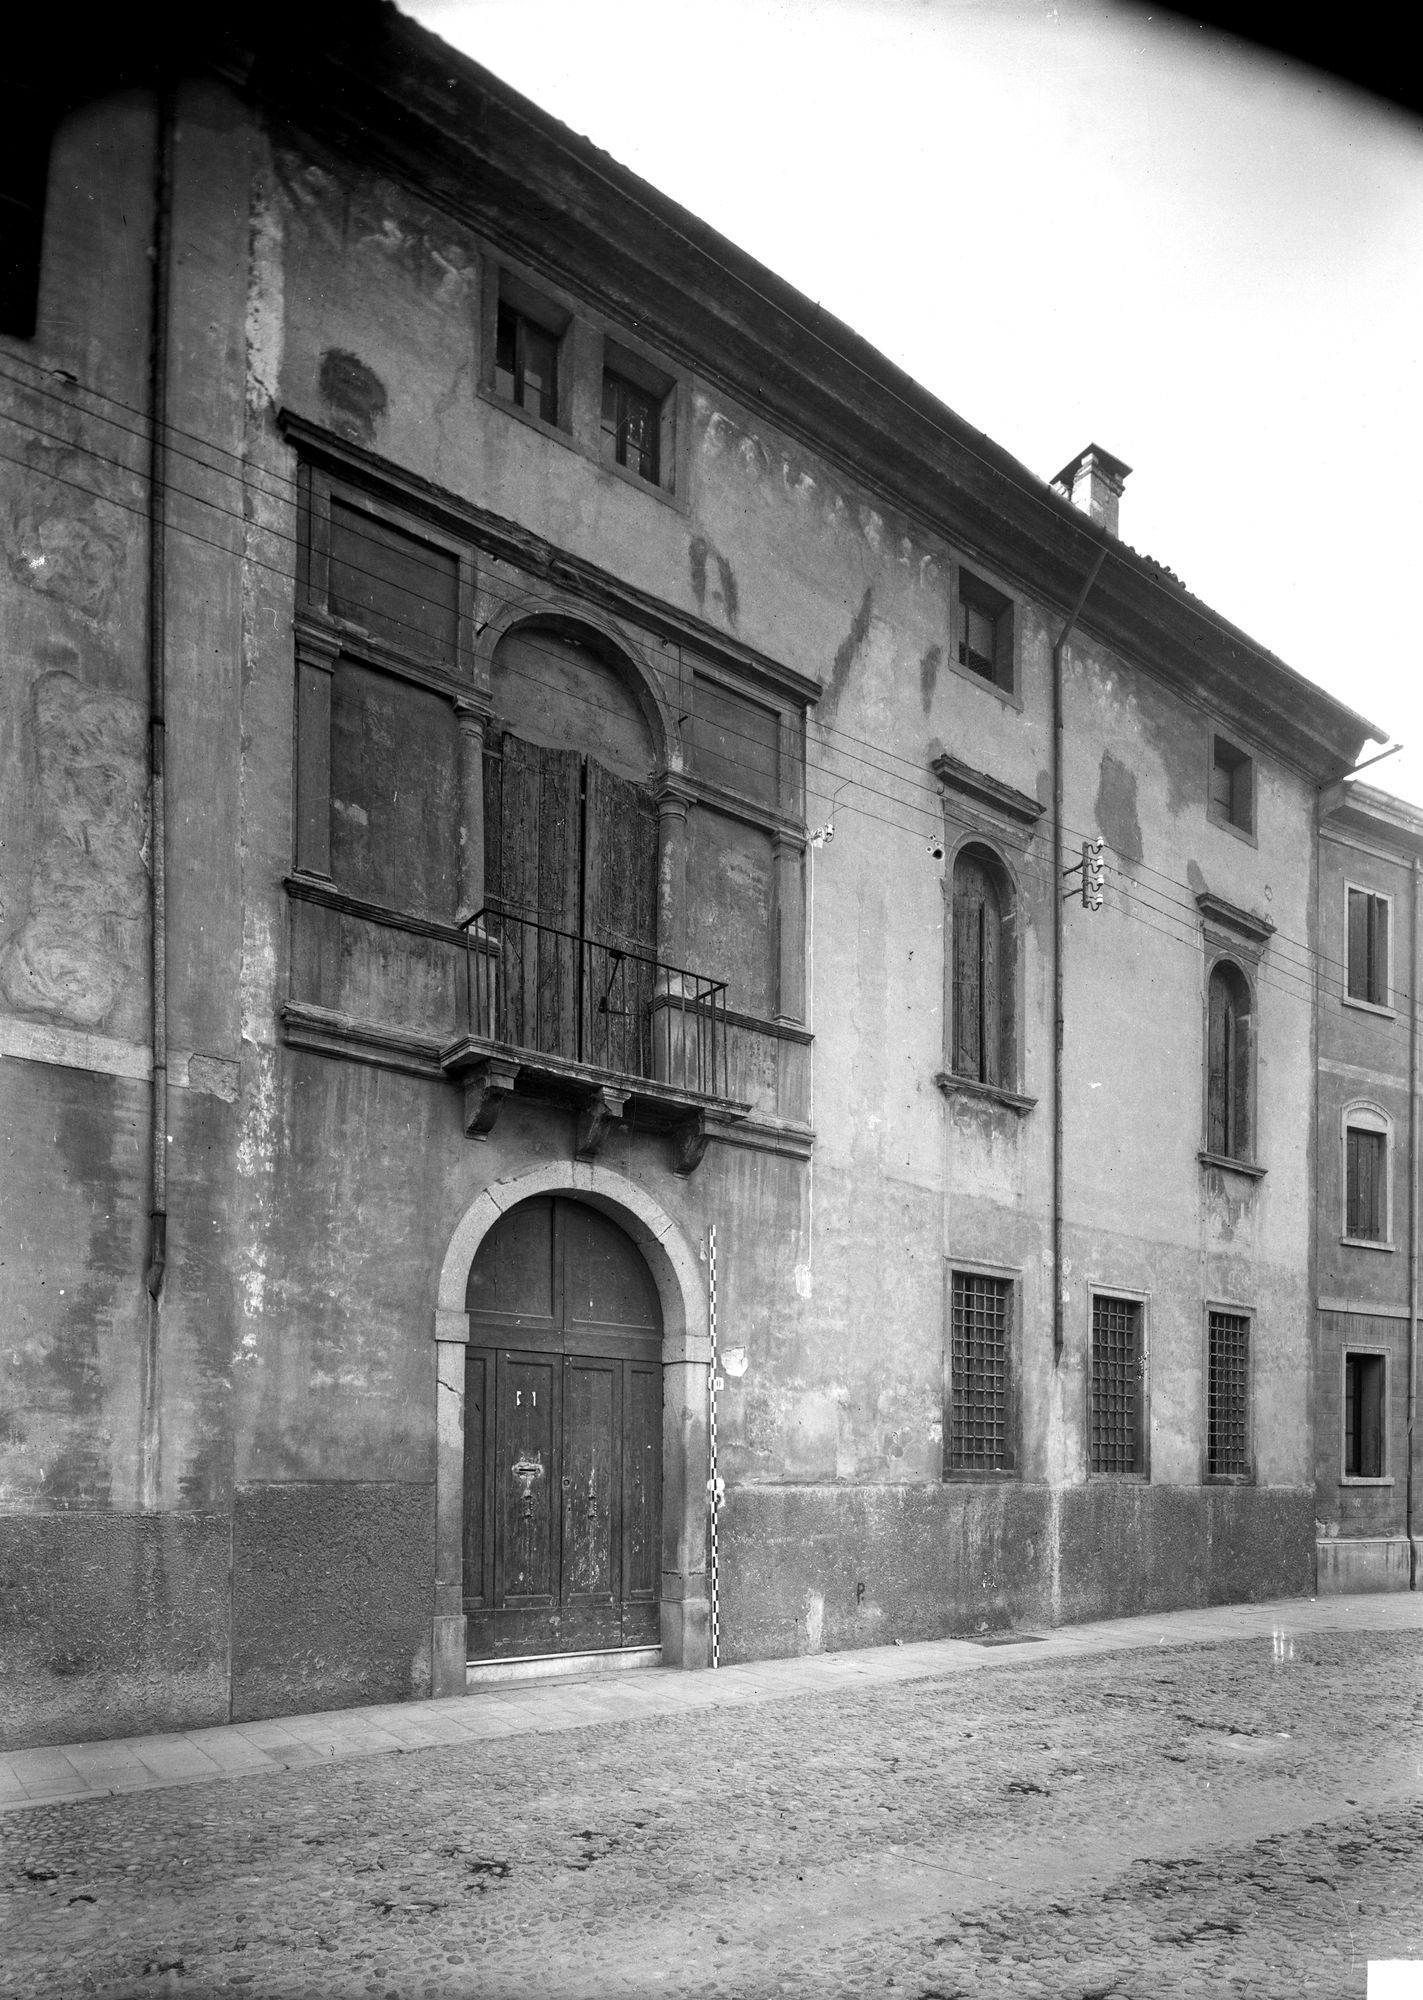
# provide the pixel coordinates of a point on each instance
(1239, 938)
(1248, 1313)
(982, 811)
(1237, 1152)
(1364, 1115)
(1373, 1351)
(1012, 1276)
(322, 640)
(783, 822)
(591, 344)
(1237, 759)
(1100, 1288)
(972, 584)
(1382, 1008)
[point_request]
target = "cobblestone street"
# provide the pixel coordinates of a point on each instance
(1243, 1816)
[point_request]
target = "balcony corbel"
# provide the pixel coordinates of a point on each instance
(487, 1082)
(599, 1110)
(689, 1143)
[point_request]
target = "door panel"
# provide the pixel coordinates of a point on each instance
(592, 1504)
(525, 1475)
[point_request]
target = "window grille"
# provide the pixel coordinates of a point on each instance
(1116, 1385)
(1227, 1394)
(979, 1430)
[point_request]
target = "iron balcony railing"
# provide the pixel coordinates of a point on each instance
(552, 993)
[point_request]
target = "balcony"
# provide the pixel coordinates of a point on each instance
(620, 1036)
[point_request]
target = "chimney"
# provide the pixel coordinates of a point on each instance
(1093, 481)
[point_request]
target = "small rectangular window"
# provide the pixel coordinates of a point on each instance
(1365, 1168)
(985, 631)
(1363, 1416)
(978, 1431)
(1232, 786)
(1368, 947)
(632, 427)
(526, 365)
(1117, 1371)
(1227, 1399)
(639, 416)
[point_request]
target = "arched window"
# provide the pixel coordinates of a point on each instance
(1367, 1193)
(982, 985)
(1228, 1058)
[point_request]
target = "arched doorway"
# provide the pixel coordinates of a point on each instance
(562, 1436)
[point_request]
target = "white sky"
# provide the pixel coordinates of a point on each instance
(1072, 222)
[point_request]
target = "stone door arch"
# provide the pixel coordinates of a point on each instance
(678, 1276)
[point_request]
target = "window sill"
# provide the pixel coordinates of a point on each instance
(1366, 1243)
(666, 494)
(1229, 826)
(1009, 697)
(989, 1093)
(1228, 1479)
(1222, 1160)
(1122, 1478)
(560, 433)
(1354, 1479)
(964, 1475)
(1369, 1007)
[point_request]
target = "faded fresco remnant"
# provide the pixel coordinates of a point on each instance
(81, 941)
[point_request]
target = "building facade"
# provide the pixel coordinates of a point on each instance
(1371, 847)
(552, 815)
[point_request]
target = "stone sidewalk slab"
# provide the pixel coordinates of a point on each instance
(74, 1771)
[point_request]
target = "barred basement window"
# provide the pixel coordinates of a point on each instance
(1228, 1395)
(978, 1429)
(1117, 1371)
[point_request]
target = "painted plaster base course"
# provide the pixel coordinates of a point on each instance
(1242, 1817)
(331, 1588)
(111, 1623)
(807, 1568)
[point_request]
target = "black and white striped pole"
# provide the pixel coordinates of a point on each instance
(716, 1492)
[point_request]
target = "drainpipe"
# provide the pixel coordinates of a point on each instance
(159, 299)
(1413, 1178)
(1057, 982)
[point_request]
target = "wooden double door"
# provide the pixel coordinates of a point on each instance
(563, 1437)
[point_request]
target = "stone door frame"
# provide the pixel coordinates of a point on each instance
(686, 1359)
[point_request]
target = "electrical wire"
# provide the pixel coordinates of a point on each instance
(909, 776)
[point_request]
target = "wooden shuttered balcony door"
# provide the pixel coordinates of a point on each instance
(571, 850)
(978, 974)
(562, 1437)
